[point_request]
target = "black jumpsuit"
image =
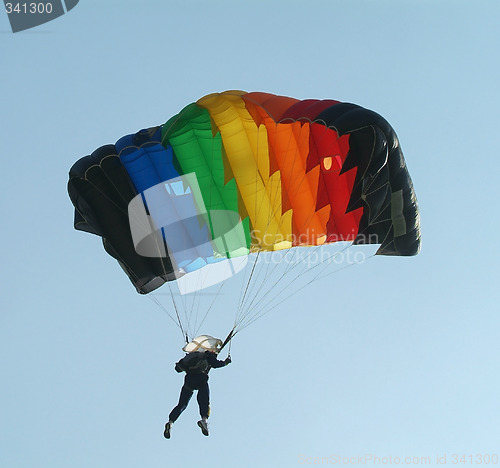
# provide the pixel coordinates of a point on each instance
(196, 380)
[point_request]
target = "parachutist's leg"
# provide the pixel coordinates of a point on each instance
(203, 398)
(186, 394)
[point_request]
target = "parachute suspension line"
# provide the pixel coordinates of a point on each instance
(266, 287)
(153, 298)
(191, 309)
(247, 307)
(216, 296)
(253, 284)
(259, 312)
(209, 309)
(260, 309)
(271, 286)
(197, 305)
(174, 303)
(265, 311)
(242, 297)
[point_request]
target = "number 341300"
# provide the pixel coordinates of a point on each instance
(31, 8)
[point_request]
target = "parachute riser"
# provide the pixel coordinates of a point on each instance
(228, 339)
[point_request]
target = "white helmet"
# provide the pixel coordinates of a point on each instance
(203, 343)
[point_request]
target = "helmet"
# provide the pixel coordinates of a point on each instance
(203, 343)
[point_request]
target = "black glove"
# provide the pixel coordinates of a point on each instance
(227, 360)
(178, 368)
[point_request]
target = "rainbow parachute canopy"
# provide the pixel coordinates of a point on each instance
(236, 173)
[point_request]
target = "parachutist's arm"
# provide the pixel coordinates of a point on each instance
(178, 368)
(214, 362)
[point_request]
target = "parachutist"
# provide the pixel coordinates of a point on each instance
(196, 364)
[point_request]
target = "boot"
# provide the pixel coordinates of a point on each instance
(166, 433)
(202, 423)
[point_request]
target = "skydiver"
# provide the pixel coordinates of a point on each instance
(196, 365)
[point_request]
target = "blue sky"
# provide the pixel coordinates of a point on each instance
(396, 357)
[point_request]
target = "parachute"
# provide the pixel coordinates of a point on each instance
(237, 174)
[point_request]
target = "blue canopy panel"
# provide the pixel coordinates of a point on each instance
(148, 164)
(174, 202)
